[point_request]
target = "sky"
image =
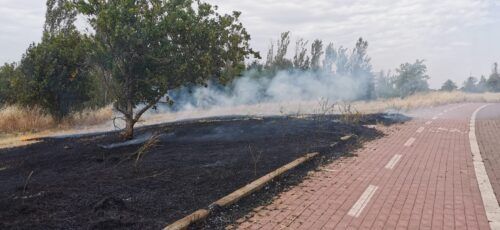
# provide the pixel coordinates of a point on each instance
(457, 38)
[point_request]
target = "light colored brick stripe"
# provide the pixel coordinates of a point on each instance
(420, 130)
(410, 141)
(358, 207)
(489, 199)
(394, 160)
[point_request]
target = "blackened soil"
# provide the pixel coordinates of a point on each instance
(75, 184)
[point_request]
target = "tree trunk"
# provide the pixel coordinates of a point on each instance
(128, 132)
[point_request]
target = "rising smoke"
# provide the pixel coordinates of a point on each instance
(342, 75)
(284, 87)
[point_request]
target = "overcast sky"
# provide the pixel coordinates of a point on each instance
(455, 37)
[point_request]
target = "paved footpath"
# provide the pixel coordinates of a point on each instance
(422, 175)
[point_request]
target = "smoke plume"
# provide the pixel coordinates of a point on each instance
(284, 88)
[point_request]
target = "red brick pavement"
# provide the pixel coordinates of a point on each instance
(432, 186)
(488, 134)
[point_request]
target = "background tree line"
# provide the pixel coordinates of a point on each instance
(473, 85)
(408, 79)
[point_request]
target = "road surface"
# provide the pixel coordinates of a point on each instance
(429, 173)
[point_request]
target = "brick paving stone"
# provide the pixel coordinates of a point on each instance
(432, 186)
(488, 134)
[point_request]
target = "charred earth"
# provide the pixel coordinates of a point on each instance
(74, 183)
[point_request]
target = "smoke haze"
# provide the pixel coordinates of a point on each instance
(286, 87)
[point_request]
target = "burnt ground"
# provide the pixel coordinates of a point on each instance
(75, 184)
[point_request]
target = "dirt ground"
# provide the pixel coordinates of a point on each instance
(73, 183)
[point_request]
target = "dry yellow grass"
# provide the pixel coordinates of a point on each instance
(17, 119)
(424, 100)
(23, 119)
(88, 117)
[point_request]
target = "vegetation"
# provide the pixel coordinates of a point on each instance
(410, 78)
(19, 119)
(449, 86)
(470, 85)
(473, 85)
(53, 74)
(493, 83)
(9, 80)
(321, 61)
(145, 48)
(141, 50)
(424, 100)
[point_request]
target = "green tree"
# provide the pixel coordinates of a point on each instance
(316, 52)
(360, 68)
(270, 57)
(59, 17)
(300, 59)
(10, 84)
(482, 85)
(256, 66)
(449, 86)
(470, 85)
(342, 61)
(146, 48)
(411, 78)
(330, 58)
(493, 82)
(384, 85)
(54, 74)
(278, 61)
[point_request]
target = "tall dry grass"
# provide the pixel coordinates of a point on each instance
(23, 119)
(424, 100)
(88, 117)
(18, 119)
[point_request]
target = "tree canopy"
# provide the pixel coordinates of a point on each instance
(493, 82)
(449, 86)
(54, 74)
(470, 85)
(411, 78)
(145, 48)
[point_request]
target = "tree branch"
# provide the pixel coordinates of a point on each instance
(147, 107)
